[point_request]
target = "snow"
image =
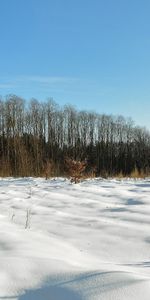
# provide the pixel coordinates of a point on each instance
(61, 241)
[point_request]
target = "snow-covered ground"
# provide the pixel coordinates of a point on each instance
(61, 241)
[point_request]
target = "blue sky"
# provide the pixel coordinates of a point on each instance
(94, 54)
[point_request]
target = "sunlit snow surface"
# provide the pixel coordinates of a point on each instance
(61, 241)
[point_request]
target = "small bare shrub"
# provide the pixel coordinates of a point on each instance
(75, 169)
(48, 169)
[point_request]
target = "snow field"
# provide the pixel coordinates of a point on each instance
(61, 241)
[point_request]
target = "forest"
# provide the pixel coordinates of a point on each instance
(38, 137)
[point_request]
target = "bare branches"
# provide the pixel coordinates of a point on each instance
(35, 138)
(75, 169)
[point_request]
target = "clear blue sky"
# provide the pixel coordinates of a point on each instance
(94, 54)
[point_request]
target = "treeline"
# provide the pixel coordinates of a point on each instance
(37, 137)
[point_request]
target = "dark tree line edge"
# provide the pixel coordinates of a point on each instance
(37, 138)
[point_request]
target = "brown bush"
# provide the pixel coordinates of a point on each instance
(75, 169)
